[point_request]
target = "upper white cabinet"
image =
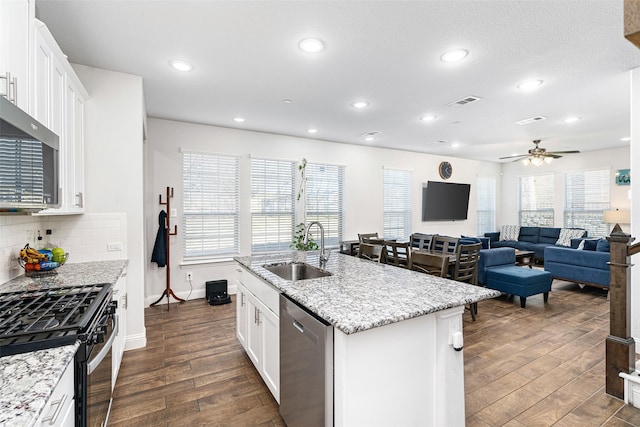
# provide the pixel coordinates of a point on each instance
(58, 103)
(16, 29)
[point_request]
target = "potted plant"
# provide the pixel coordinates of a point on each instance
(298, 237)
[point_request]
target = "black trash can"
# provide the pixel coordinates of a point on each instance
(216, 292)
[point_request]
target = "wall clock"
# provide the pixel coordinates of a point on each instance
(445, 170)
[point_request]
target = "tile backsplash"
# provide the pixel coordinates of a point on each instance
(87, 237)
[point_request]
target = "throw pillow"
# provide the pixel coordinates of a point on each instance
(566, 234)
(603, 245)
(581, 246)
(590, 244)
(509, 232)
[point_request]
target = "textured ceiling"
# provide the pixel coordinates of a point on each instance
(247, 61)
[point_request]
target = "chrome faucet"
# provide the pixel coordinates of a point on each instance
(323, 257)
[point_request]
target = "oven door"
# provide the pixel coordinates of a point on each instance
(99, 376)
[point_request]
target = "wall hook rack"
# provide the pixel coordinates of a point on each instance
(168, 292)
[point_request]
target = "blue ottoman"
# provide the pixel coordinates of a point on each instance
(519, 281)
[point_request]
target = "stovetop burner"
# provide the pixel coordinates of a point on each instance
(33, 320)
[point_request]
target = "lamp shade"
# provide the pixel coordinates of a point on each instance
(617, 217)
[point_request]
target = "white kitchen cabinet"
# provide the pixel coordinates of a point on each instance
(58, 103)
(117, 351)
(59, 409)
(16, 24)
(242, 314)
(258, 327)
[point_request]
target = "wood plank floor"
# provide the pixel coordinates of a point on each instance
(538, 366)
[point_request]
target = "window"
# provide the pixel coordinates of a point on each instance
(536, 200)
(397, 204)
(211, 205)
(324, 200)
(272, 204)
(586, 197)
(486, 205)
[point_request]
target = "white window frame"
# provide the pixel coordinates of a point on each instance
(397, 204)
(536, 200)
(273, 197)
(210, 205)
(324, 200)
(587, 194)
(485, 204)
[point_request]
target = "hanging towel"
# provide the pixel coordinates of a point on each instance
(159, 253)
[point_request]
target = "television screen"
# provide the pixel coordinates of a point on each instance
(445, 201)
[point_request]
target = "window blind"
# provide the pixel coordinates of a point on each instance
(397, 204)
(272, 204)
(211, 205)
(486, 205)
(536, 200)
(324, 200)
(586, 197)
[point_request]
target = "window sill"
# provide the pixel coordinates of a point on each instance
(207, 261)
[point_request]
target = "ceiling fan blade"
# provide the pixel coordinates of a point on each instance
(564, 152)
(511, 157)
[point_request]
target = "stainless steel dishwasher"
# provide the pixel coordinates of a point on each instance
(306, 367)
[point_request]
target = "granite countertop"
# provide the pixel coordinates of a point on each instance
(27, 380)
(361, 294)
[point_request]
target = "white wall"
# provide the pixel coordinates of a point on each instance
(634, 75)
(614, 159)
(114, 117)
(363, 187)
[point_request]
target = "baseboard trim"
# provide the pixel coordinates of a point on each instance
(136, 341)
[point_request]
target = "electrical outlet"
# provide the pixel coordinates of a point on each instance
(189, 276)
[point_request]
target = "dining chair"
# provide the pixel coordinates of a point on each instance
(421, 241)
(435, 265)
(371, 252)
(397, 253)
(445, 244)
(466, 268)
(363, 236)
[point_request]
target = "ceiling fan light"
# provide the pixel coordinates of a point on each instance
(548, 160)
(526, 161)
(537, 161)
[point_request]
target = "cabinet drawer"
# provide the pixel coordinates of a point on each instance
(266, 293)
(61, 403)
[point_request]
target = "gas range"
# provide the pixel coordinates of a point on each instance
(39, 319)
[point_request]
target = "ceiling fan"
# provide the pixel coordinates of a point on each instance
(537, 156)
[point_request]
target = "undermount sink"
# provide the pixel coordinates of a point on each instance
(296, 271)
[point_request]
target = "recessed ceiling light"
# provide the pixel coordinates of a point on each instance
(311, 45)
(181, 65)
(288, 101)
(360, 104)
(369, 138)
(428, 118)
(312, 130)
(625, 139)
(454, 55)
(572, 119)
(529, 84)
(238, 119)
(455, 145)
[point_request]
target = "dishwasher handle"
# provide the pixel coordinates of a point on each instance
(305, 331)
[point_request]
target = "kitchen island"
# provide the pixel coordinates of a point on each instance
(27, 380)
(393, 329)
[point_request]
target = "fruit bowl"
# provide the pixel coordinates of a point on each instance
(39, 262)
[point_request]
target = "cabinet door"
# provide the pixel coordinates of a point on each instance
(270, 331)
(58, 410)
(254, 336)
(42, 79)
(241, 315)
(16, 23)
(74, 145)
(119, 295)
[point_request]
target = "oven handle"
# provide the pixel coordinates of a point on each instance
(93, 363)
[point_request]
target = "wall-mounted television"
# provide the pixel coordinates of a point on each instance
(445, 201)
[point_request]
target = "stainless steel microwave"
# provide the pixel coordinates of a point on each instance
(29, 162)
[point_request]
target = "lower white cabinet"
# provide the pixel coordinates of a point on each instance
(59, 410)
(258, 327)
(119, 295)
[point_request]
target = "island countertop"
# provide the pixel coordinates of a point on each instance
(361, 294)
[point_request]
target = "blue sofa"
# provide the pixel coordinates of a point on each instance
(535, 239)
(587, 266)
